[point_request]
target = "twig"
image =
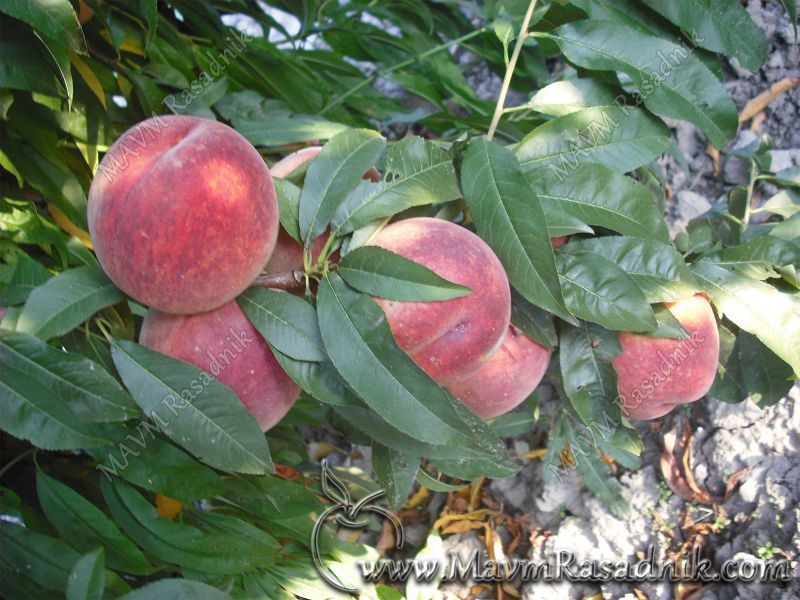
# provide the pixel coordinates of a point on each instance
(290, 280)
(501, 99)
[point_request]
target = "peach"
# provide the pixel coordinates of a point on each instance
(558, 241)
(288, 253)
(506, 379)
(225, 344)
(449, 340)
(656, 374)
(182, 213)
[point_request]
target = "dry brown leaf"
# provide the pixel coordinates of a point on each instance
(640, 595)
(670, 468)
(760, 102)
(386, 541)
(420, 497)
(511, 590)
(539, 453)
(476, 515)
(474, 491)
(758, 121)
(714, 154)
(462, 527)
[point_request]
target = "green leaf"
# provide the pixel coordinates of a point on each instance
(418, 173)
(565, 97)
(668, 326)
(287, 322)
(509, 218)
(87, 388)
(280, 129)
(318, 379)
(534, 322)
(180, 544)
(362, 349)
(791, 9)
(435, 485)
(597, 196)
(67, 300)
(395, 471)
(605, 135)
(719, 26)
(211, 423)
(87, 579)
(28, 275)
(289, 206)
(86, 527)
(599, 291)
(44, 561)
(333, 174)
(23, 66)
(54, 18)
(148, 9)
(657, 268)
(382, 273)
(589, 378)
(32, 411)
(759, 257)
(140, 456)
(176, 589)
(748, 369)
(772, 316)
(596, 474)
(674, 83)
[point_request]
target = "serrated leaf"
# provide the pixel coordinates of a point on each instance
(598, 196)
(180, 544)
(28, 275)
(597, 290)
(87, 579)
(748, 369)
(54, 18)
(363, 350)
(435, 485)
(318, 379)
(759, 257)
(565, 97)
(534, 322)
(86, 527)
(379, 272)
(589, 378)
(395, 472)
(690, 91)
(719, 26)
(657, 268)
(772, 316)
(144, 458)
(418, 173)
(288, 206)
(64, 302)
(599, 135)
(176, 589)
(510, 219)
(211, 424)
(44, 560)
(89, 391)
(31, 411)
(287, 322)
(280, 129)
(333, 174)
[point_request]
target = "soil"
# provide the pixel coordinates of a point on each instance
(759, 517)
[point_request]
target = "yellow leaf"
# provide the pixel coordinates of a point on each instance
(89, 77)
(63, 221)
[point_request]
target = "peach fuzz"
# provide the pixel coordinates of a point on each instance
(451, 339)
(506, 379)
(654, 375)
(182, 214)
(225, 344)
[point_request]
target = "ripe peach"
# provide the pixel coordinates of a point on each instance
(506, 379)
(225, 344)
(288, 253)
(182, 213)
(449, 339)
(656, 374)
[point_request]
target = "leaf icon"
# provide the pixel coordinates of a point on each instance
(333, 488)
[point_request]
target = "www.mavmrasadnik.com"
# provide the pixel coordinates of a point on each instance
(477, 568)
